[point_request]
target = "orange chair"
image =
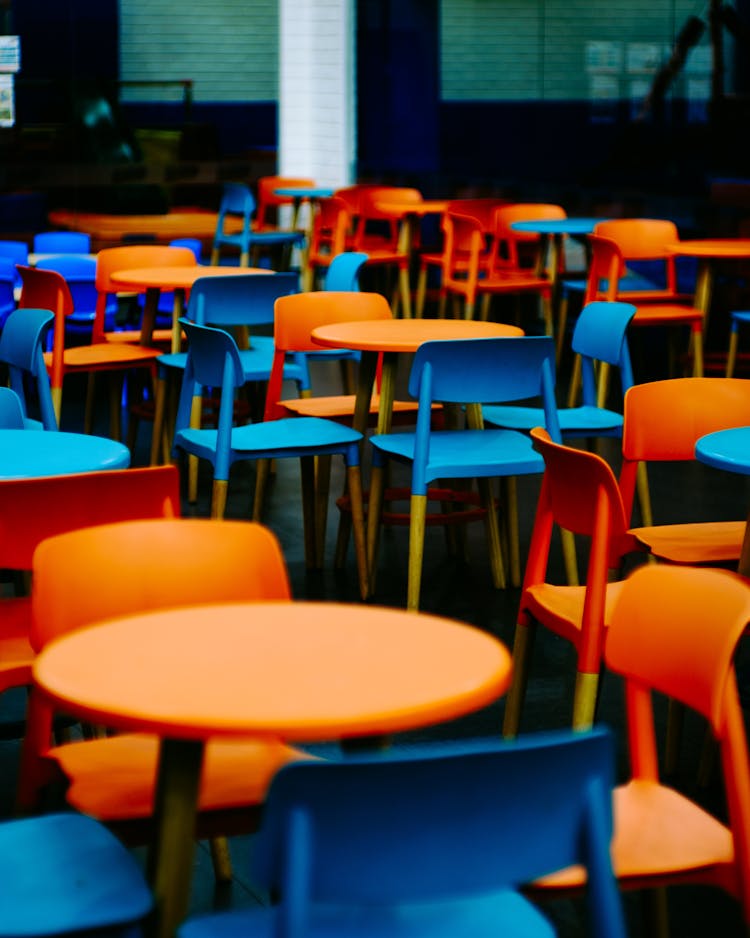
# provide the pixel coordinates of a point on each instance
(662, 422)
(675, 631)
(481, 209)
(639, 239)
(34, 509)
(268, 202)
(46, 289)
(331, 223)
(123, 569)
(580, 494)
(466, 274)
(129, 257)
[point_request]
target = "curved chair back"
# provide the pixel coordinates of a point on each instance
(606, 268)
(62, 242)
(22, 349)
(362, 833)
(269, 201)
(80, 275)
(343, 271)
(640, 238)
(120, 569)
(330, 227)
(9, 279)
(600, 335)
(11, 410)
(244, 300)
(236, 200)
(192, 244)
(510, 244)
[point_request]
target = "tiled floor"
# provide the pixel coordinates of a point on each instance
(463, 589)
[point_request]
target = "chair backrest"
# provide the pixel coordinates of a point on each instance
(343, 271)
(375, 227)
(12, 416)
(239, 300)
(606, 268)
(22, 349)
(62, 242)
(600, 335)
(664, 419)
(34, 509)
(511, 248)
(269, 201)
(483, 209)
(297, 315)
(580, 494)
(464, 245)
(192, 244)
(437, 824)
(675, 630)
(640, 238)
(330, 226)
(80, 275)
(129, 567)
(17, 252)
(236, 200)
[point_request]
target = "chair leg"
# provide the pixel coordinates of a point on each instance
(219, 498)
(421, 293)
(575, 382)
(584, 700)
(221, 859)
(698, 355)
(308, 508)
(195, 421)
(322, 491)
(417, 520)
(523, 646)
(374, 509)
(262, 471)
(569, 556)
(214, 257)
(562, 324)
(354, 479)
(732, 351)
(497, 566)
(644, 496)
(511, 514)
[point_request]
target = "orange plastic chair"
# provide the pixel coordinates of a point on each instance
(580, 494)
(130, 257)
(675, 631)
(662, 422)
(34, 509)
(467, 276)
(481, 209)
(268, 202)
(636, 239)
(46, 289)
(328, 237)
(122, 569)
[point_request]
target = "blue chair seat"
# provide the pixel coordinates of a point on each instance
(587, 420)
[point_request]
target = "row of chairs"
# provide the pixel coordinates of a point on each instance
(485, 798)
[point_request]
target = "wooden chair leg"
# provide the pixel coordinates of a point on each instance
(421, 293)
(374, 510)
(511, 514)
(570, 557)
(575, 382)
(732, 351)
(354, 479)
(497, 566)
(219, 498)
(308, 508)
(644, 496)
(417, 520)
(523, 646)
(195, 421)
(584, 700)
(221, 859)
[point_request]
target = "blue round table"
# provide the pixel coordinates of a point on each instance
(729, 449)
(25, 453)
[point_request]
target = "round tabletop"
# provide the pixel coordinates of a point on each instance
(291, 670)
(726, 449)
(27, 453)
(571, 226)
(305, 192)
(425, 207)
(175, 278)
(713, 247)
(405, 335)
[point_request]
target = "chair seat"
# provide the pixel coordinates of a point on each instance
(17, 654)
(293, 437)
(262, 238)
(104, 355)
(657, 832)
(340, 407)
(474, 916)
(561, 607)
(667, 313)
(699, 543)
(256, 364)
(133, 336)
(585, 419)
(512, 282)
(489, 452)
(234, 774)
(67, 874)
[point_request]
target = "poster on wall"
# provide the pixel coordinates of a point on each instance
(7, 106)
(10, 62)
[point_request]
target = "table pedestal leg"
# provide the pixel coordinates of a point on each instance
(148, 322)
(170, 862)
(178, 310)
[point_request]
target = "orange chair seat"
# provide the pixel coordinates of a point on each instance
(658, 831)
(17, 653)
(339, 407)
(104, 356)
(561, 607)
(707, 542)
(667, 313)
(133, 337)
(234, 774)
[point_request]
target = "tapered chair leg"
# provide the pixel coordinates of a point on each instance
(374, 509)
(523, 646)
(417, 520)
(221, 859)
(497, 566)
(354, 479)
(219, 498)
(732, 351)
(584, 700)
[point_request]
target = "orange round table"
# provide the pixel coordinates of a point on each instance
(152, 280)
(112, 229)
(707, 250)
(295, 671)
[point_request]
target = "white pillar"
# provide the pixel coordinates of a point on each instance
(317, 129)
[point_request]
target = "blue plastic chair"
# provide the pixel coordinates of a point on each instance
(236, 302)
(214, 362)
(8, 283)
(739, 318)
(80, 275)
(62, 242)
(238, 200)
(11, 410)
(466, 372)
(22, 350)
(599, 336)
(17, 252)
(66, 874)
(431, 841)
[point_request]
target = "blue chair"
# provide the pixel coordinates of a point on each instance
(66, 874)
(238, 201)
(466, 372)
(237, 302)
(431, 841)
(80, 275)
(17, 252)
(739, 317)
(8, 284)
(11, 410)
(214, 362)
(22, 350)
(61, 242)
(165, 304)
(599, 336)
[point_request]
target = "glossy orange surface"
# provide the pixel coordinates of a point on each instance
(425, 207)
(175, 278)
(714, 247)
(306, 671)
(406, 335)
(163, 227)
